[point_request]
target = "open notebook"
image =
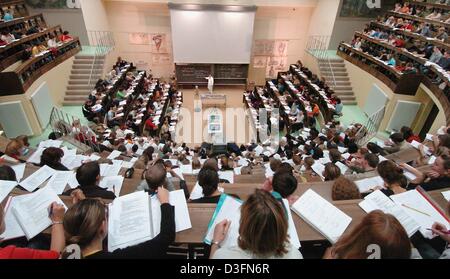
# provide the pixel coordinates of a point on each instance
(229, 208)
(419, 206)
(323, 216)
(32, 210)
(136, 218)
(379, 201)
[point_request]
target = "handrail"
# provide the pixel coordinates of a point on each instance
(103, 42)
(318, 47)
(367, 132)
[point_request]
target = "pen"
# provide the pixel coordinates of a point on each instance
(416, 210)
(50, 211)
(447, 232)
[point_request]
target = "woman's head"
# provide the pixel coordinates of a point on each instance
(51, 156)
(7, 173)
(13, 148)
(331, 172)
(391, 174)
(263, 226)
(335, 155)
(344, 189)
(209, 180)
(148, 153)
(379, 229)
(397, 138)
(85, 222)
(442, 165)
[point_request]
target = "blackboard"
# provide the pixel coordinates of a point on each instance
(231, 71)
(193, 73)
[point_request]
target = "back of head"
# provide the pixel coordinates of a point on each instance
(263, 226)
(212, 164)
(83, 220)
(335, 155)
(377, 228)
(13, 148)
(7, 173)
(209, 180)
(344, 189)
(87, 174)
(23, 139)
(372, 160)
(331, 172)
(397, 138)
(148, 153)
(51, 156)
(391, 173)
(155, 176)
(285, 168)
(196, 164)
(274, 164)
(284, 183)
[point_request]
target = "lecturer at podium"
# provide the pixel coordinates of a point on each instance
(210, 83)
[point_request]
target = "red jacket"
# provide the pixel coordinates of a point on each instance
(149, 125)
(13, 252)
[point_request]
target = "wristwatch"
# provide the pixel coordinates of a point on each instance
(216, 243)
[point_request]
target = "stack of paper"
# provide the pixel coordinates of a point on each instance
(379, 201)
(110, 170)
(32, 210)
(322, 215)
(421, 210)
(114, 155)
(37, 178)
(59, 180)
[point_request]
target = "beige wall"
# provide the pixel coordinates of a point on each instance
(95, 17)
(57, 80)
(362, 83)
(323, 18)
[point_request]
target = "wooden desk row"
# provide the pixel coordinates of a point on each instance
(419, 19)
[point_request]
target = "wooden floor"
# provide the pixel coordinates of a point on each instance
(235, 130)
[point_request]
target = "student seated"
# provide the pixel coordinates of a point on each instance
(65, 37)
(57, 239)
(285, 184)
(52, 157)
(367, 163)
(437, 178)
(155, 176)
(395, 144)
(14, 149)
(443, 232)
(145, 158)
(395, 181)
(7, 16)
(88, 176)
(381, 230)
(345, 189)
(209, 181)
(331, 172)
(263, 232)
(86, 225)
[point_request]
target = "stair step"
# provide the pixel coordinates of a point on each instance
(349, 103)
(337, 65)
(334, 60)
(344, 93)
(340, 78)
(75, 98)
(87, 67)
(333, 69)
(86, 71)
(87, 57)
(87, 62)
(85, 77)
(336, 74)
(80, 93)
(79, 85)
(72, 103)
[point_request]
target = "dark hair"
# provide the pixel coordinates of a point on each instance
(391, 173)
(284, 183)
(148, 154)
(87, 173)
(134, 148)
(318, 153)
(209, 180)
(352, 148)
(407, 132)
(331, 172)
(335, 155)
(7, 173)
(155, 176)
(372, 159)
(344, 189)
(51, 156)
(397, 137)
(374, 148)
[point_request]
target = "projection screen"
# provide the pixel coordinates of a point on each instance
(212, 34)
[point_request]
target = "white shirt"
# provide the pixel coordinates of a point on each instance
(52, 43)
(238, 253)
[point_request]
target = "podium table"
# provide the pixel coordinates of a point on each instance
(213, 101)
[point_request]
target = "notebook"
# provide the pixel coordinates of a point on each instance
(37, 178)
(323, 216)
(417, 204)
(136, 218)
(12, 227)
(32, 210)
(379, 201)
(5, 188)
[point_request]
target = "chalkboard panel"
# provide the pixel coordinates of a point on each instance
(193, 73)
(230, 71)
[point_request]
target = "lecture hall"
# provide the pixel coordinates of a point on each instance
(224, 130)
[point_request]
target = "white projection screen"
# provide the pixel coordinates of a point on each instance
(211, 35)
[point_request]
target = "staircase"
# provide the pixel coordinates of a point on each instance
(334, 69)
(79, 86)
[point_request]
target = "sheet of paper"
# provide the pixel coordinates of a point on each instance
(94, 157)
(292, 231)
(19, 170)
(37, 178)
(227, 175)
(418, 208)
(50, 143)
(379, 201)
(342, 149)
(129, 221)
(109, 170)
(186, 169)
(342, 167)
(12, 227)
(5, 188)
(35, 158)
(318, 168)
(346, 156)
(32, 210)
(228, 208)
(114, 155)
(182, 218)
(365, 185)
(446, 195)
(322, 215)
(112, 183)
(59, 180)
(73, 182)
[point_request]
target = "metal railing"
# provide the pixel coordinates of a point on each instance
(317, 46)
(61, 124)
(369, 131)
(103, 42)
